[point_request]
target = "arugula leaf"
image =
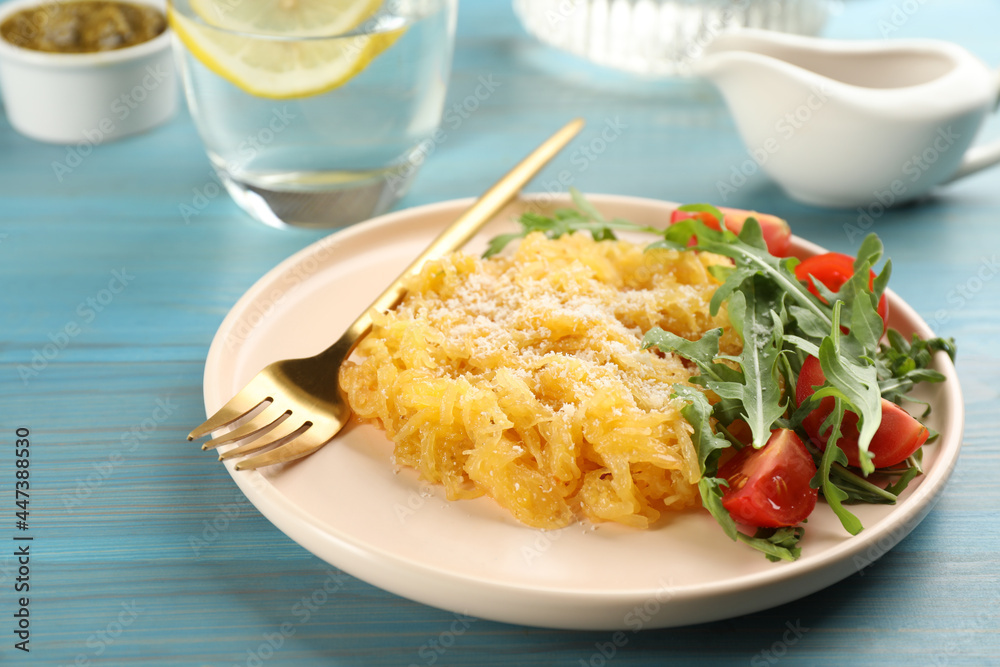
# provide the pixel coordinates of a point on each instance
(834, 494)
(499, 242)
(866, 329)
(869, 253)
(698, 413)
(704, 353)
(904, 480)
(853, 379)
(584, 206)
(704, 208)
(710, 489)
(751, 311)
(750, 254)
(808, 323)
(585, 217)
(777, 543)
(901, 364)
(861, 490)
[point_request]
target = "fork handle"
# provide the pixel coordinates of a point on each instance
(458, 233)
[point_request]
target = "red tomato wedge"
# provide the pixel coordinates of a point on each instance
(833, 269)
(897, 437)
(777, 233)
(769, 487)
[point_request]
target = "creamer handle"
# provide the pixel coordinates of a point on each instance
(980, 157)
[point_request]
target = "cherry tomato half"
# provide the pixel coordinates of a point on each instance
(897, 437)
(833, 269)
(777, 233)
(769, 487)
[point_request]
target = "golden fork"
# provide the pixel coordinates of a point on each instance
(299, 403)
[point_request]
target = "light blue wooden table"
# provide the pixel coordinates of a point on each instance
(145, 552)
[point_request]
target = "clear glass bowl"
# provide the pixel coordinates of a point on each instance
(659, 37)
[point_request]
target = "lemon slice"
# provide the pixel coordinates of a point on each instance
(281, 53)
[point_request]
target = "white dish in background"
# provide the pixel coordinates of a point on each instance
(658, 38)
(347, 504)
(87, 98)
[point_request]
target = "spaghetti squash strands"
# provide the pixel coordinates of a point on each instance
(522, 377)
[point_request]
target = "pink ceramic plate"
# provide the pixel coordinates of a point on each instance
(349, 506)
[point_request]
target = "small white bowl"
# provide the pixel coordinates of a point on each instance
(68, 98)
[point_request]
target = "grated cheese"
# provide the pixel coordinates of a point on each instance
(521, 377)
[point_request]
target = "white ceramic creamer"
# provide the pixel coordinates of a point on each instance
(849, 123)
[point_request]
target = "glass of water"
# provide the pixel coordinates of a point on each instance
(315, 113)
